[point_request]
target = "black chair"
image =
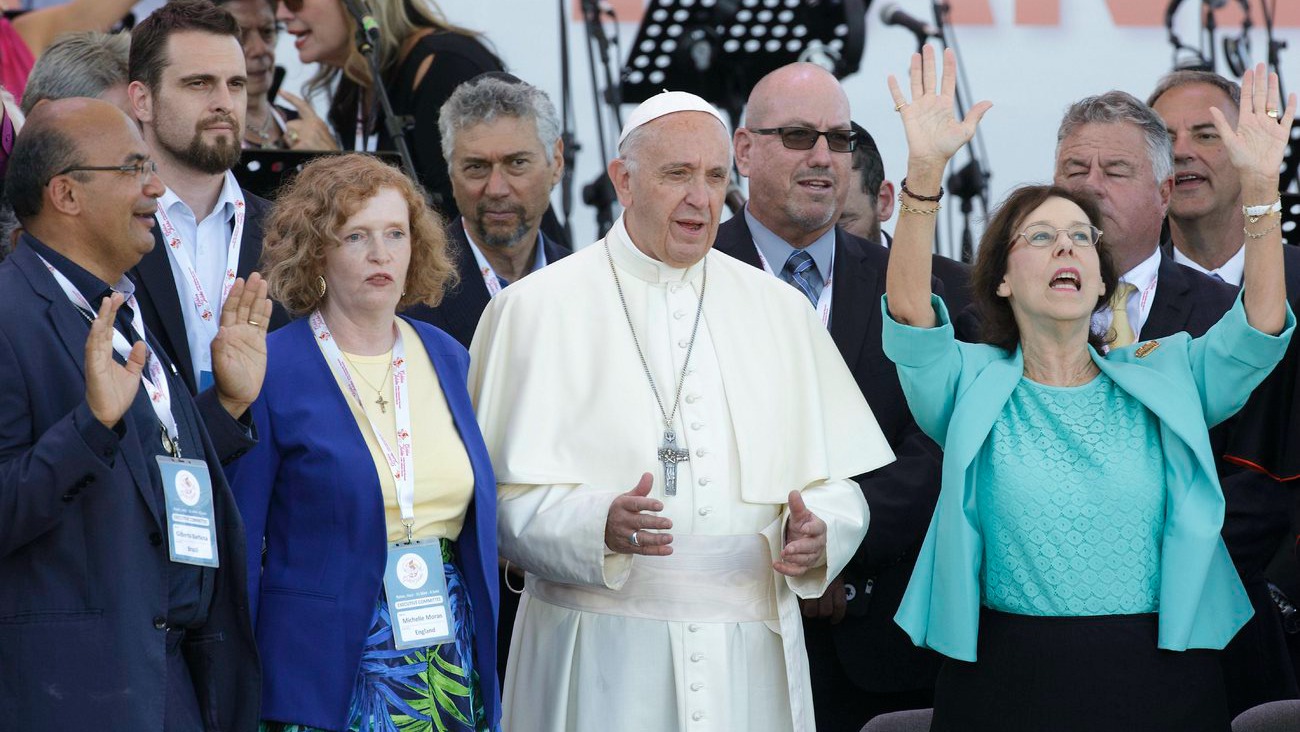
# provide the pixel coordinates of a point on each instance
(915, 720)
(1277, 716)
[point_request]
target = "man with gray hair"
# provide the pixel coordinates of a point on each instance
(87, 64)
(1115, 149)
(501, 139)
(1206, 225)
(674, 435)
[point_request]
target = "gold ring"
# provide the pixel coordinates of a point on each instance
(899, 107)
(254, 323)
(293, 136)
(1274, 113)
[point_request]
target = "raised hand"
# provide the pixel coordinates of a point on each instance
(239, 350)
(309, 131)
(110, 386)
(627, 517)
(930, 119)
(1256, 147)
(805, 540)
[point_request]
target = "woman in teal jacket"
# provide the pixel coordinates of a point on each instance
(1073, 571)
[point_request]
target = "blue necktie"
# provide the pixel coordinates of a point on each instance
(801, 271)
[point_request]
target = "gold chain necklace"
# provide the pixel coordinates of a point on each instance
(379, 399)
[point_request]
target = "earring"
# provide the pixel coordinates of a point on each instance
(320, 285)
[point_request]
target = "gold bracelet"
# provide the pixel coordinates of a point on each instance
(1265, 232)
(921, 211)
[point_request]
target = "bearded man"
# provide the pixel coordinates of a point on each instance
(187, 91)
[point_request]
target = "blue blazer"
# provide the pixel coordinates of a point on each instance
(958, 390)
(83, 562)
(310, 491)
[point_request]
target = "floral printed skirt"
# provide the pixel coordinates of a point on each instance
(428, 689)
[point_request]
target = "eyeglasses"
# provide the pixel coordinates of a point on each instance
(293, 5)
(142, 169)
(1042, 235)
(804, 138)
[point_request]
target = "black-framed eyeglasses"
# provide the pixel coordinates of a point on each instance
(1042, 235)
(804, 138)
(142, 169)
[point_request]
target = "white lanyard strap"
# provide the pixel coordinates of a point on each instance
(363, 142)
(490, 279)
(823, 300)
(154, 379)
(203, 305)
(400, 463)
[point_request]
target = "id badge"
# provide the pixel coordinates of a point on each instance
(417, 595)
(191, 522)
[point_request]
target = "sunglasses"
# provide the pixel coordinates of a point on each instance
(293, 5)
(804, 138)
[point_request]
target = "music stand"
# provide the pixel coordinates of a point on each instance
(719, 49)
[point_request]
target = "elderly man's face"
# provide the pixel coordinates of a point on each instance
(501, 178)
(1205, 182)
(1109, 161)
(673, 196)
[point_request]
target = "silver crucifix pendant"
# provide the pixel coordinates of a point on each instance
(670, 455)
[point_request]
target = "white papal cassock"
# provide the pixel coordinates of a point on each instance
(709, 638)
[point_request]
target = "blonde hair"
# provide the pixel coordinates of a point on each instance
(309, 212)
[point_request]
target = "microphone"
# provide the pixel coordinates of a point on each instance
(360, 13)
(891, 14)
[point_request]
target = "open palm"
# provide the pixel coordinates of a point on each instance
(1257, 146)
(930, 119)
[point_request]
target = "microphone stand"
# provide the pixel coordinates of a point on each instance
(571, 146)
(970, 183)
(600, 192)
(394, 124)
(1274, 47)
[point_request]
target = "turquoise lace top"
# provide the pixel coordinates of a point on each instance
(1071, 500)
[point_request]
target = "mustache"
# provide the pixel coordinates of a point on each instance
(227, 119)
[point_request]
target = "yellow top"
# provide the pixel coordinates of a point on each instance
(444, 479)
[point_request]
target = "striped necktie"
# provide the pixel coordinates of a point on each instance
(801, 271)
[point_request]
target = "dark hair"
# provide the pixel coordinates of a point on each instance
(42, 149)
(997, 323)
(867, 161)
(149, 38)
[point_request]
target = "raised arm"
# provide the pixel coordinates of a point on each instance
(1256, 148)
(934, 135)
(39, 28)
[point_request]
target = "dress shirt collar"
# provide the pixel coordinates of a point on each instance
(634, 261)
(1144, 273)
(1231, 271)
(225, 206)
(776, 250)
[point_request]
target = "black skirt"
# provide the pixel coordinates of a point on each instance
(1078, 674)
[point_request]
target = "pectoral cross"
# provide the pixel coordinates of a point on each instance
(670, 455)
(383, 404)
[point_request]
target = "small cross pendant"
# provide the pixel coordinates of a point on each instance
(383, 404)
(670, 455)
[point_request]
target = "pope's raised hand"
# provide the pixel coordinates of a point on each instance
(110, 386)
(1257, 145)
(930, 119)
(630, 530)
(805, 540)
(239, 350)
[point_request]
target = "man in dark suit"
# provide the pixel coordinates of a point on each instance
(124, 610)
(861, 663)
(1206, 222)
(501, 138)
(1118, 150)
(188, 92)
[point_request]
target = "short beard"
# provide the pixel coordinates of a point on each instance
(501, 241)
(214, 158)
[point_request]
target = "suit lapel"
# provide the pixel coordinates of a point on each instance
(854, 285)
(735, 239)
(250, 243)
(1171, 307)
(162, 305)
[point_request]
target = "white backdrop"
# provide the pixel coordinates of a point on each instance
(1030, 72)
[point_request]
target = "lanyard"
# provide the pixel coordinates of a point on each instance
(490, 278)
(823, 300)
(1142, 305)
(155, 381)
(199, 299)
(400, 463)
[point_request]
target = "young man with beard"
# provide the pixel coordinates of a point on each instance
(188, 91)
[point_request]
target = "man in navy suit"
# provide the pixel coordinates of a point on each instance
(111, 618)
(501, 138)
(187, 90)
(1118, 150)
(861, 663)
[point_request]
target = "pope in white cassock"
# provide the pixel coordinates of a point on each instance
(647, 360)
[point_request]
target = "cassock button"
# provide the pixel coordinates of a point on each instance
(697, 716)
(705, 481)
(674, 287)
(679, 314)
(693, 627)
(683, 343)
(697, 686)
(701, 452)
(160, 622)
(706, 510)
(692, 398)
(697, 425)
(697, 657)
